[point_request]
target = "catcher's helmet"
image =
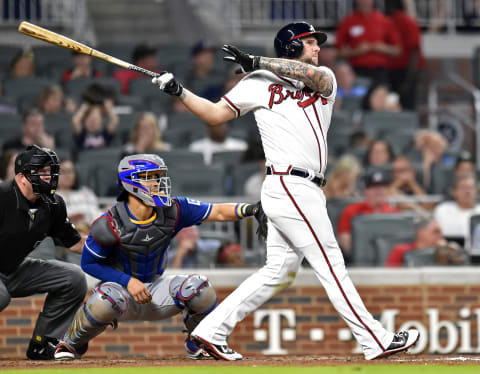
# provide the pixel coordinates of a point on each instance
(287, 42)
(33, 159)
(135, 175)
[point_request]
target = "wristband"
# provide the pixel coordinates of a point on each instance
(243, 210)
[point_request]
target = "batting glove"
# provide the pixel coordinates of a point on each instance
(167, 83)
(246, 61)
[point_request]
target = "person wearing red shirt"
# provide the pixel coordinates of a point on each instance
(143, 56)
(429, 235)
(405, 69)
(376, 192)
(82, 68)
(367, 38)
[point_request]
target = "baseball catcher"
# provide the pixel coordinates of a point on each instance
(127, 249)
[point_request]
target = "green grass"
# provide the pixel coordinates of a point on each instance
(351, 369)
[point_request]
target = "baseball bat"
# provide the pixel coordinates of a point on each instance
(52, 37)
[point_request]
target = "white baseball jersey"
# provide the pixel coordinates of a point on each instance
(293, 122)
(292, 119)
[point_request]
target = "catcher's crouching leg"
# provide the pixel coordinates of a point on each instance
(197, 297)
(108, 302)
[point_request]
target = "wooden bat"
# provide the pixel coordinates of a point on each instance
(62, 41)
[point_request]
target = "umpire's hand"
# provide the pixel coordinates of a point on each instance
(139, 292)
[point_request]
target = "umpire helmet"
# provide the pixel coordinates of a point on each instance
(287, 42)
(33, 159)
(145, 176)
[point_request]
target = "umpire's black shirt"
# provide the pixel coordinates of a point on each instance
(23, 224)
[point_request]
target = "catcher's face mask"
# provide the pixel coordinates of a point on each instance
(41, 168)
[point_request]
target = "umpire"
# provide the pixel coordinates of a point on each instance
(29, 212)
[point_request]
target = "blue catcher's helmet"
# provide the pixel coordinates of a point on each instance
(145, 176)
(287, 42)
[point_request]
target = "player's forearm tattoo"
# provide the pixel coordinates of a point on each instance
(316, 79)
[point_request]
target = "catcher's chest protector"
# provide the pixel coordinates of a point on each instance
(142, 252)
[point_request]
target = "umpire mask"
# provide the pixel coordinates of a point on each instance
(41, 167)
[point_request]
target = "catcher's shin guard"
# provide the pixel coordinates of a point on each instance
(108, 302)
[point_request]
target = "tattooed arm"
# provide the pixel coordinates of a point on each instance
(315, 78)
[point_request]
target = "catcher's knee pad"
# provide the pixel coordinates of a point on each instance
(195, 295)
(108, 302)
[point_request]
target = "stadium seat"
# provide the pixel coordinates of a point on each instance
(419, 257)
(7, 53)
(10, 126)
(76, 87)
(181, 158)
(58, 121)
(154, 100)
(121, 51)
(90, 161)
(442, 179)
(228, 159)
(20, 87)
(400, 140)
(367, 228)
(197, 181)
(335, 208)
(45, 57)
(341, 122)
(239, 175)
(377, 124)
(385, 243)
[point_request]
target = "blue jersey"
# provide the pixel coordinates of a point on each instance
(95, 256)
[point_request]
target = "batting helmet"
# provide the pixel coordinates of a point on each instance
(287, 42)
(145, 176)
(31, 161)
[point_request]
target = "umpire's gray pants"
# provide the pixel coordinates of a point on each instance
(66, 287)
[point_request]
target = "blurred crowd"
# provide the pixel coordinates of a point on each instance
(383, 159)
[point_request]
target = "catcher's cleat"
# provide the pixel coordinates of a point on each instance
(65, 353)
(41, 350)
(193, 351)
(402, 341)
(218, 352)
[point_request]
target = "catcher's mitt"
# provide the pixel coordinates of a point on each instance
(261, 218)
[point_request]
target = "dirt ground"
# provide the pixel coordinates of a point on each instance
(6, 363)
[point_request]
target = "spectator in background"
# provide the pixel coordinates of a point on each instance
(217, 141)
(454, 216)
(404, 183)
(406, 68)
(53, 101)
(342, 180)
(81, 202)
(203, 78)
(346, 87)
(143, 56)
(379, 153)
(380, 99)
(327, 55)
(145, 136)
(431, 146)
(7, 165)
(464, 165)
(187, 247)
(230, 255)
(82, 68)
(429, 235)
(375, 201)
(367, 38)
(33, 132)
(88, 129)
(22, 65)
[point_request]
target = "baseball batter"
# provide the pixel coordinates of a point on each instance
(127, 250)
(292, 100)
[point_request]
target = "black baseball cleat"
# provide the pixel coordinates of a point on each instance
(402, 341)
(43, 350)
(218, 352)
